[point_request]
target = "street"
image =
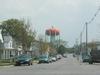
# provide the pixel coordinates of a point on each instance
(65, 66)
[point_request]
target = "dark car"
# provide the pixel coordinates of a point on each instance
(23, 59)
(64, 55)
(94, 56)
(58, 57)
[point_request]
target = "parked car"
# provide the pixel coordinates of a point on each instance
(94, 56)
(43, 59)
(65, 55)
(58, 57)
(74, 55)
(53, 59)
(23, 59)
(50, 59)
(85, 58)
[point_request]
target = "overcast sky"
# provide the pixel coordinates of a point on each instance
(67, 15)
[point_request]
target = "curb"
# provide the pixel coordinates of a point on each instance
(35, 61)
(1, 67)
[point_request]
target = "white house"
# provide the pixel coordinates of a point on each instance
(8, 41)
(8, 48)
(7, 51)
(1, 38)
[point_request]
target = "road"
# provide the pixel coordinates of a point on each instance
(65, 66)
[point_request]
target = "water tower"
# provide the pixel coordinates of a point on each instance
(54, 35)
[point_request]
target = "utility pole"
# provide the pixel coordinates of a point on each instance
(76, 47)
(80, 42)
(86, 37)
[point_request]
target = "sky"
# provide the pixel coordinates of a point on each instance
(69, 16)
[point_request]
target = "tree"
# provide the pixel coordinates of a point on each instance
(61, 50)
(20, 31)
(43, 45)
(71, 50)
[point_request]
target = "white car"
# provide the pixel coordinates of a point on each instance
(58, 57)
(54, 59)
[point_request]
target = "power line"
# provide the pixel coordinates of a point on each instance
(95, 15)
(89, 22)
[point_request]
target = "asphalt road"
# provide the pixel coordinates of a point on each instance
(65, 66)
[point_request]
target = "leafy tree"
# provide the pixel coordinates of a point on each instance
(19, 30)
(43, 45)
(71, 50)
(61, 50)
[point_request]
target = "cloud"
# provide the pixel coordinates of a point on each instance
(68, 15)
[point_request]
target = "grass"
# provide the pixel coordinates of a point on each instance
(6, 62)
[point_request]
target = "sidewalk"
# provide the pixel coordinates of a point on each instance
(35, 61)
(4, 67)
(8, 65)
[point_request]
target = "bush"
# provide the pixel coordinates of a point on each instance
(6, 62)
(36, 58)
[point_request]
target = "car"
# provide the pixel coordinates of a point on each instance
(85, 58)
(53, 59)
(64, 55)
(58, 57)
(23, 59)
(50, 59)
(94, 56)
(43, 59)
(74, 55)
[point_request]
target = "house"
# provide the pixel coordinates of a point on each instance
(35, 48)
(8, 48)
(7, 51)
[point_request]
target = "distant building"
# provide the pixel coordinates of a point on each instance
(35, 48)
(94, 45)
